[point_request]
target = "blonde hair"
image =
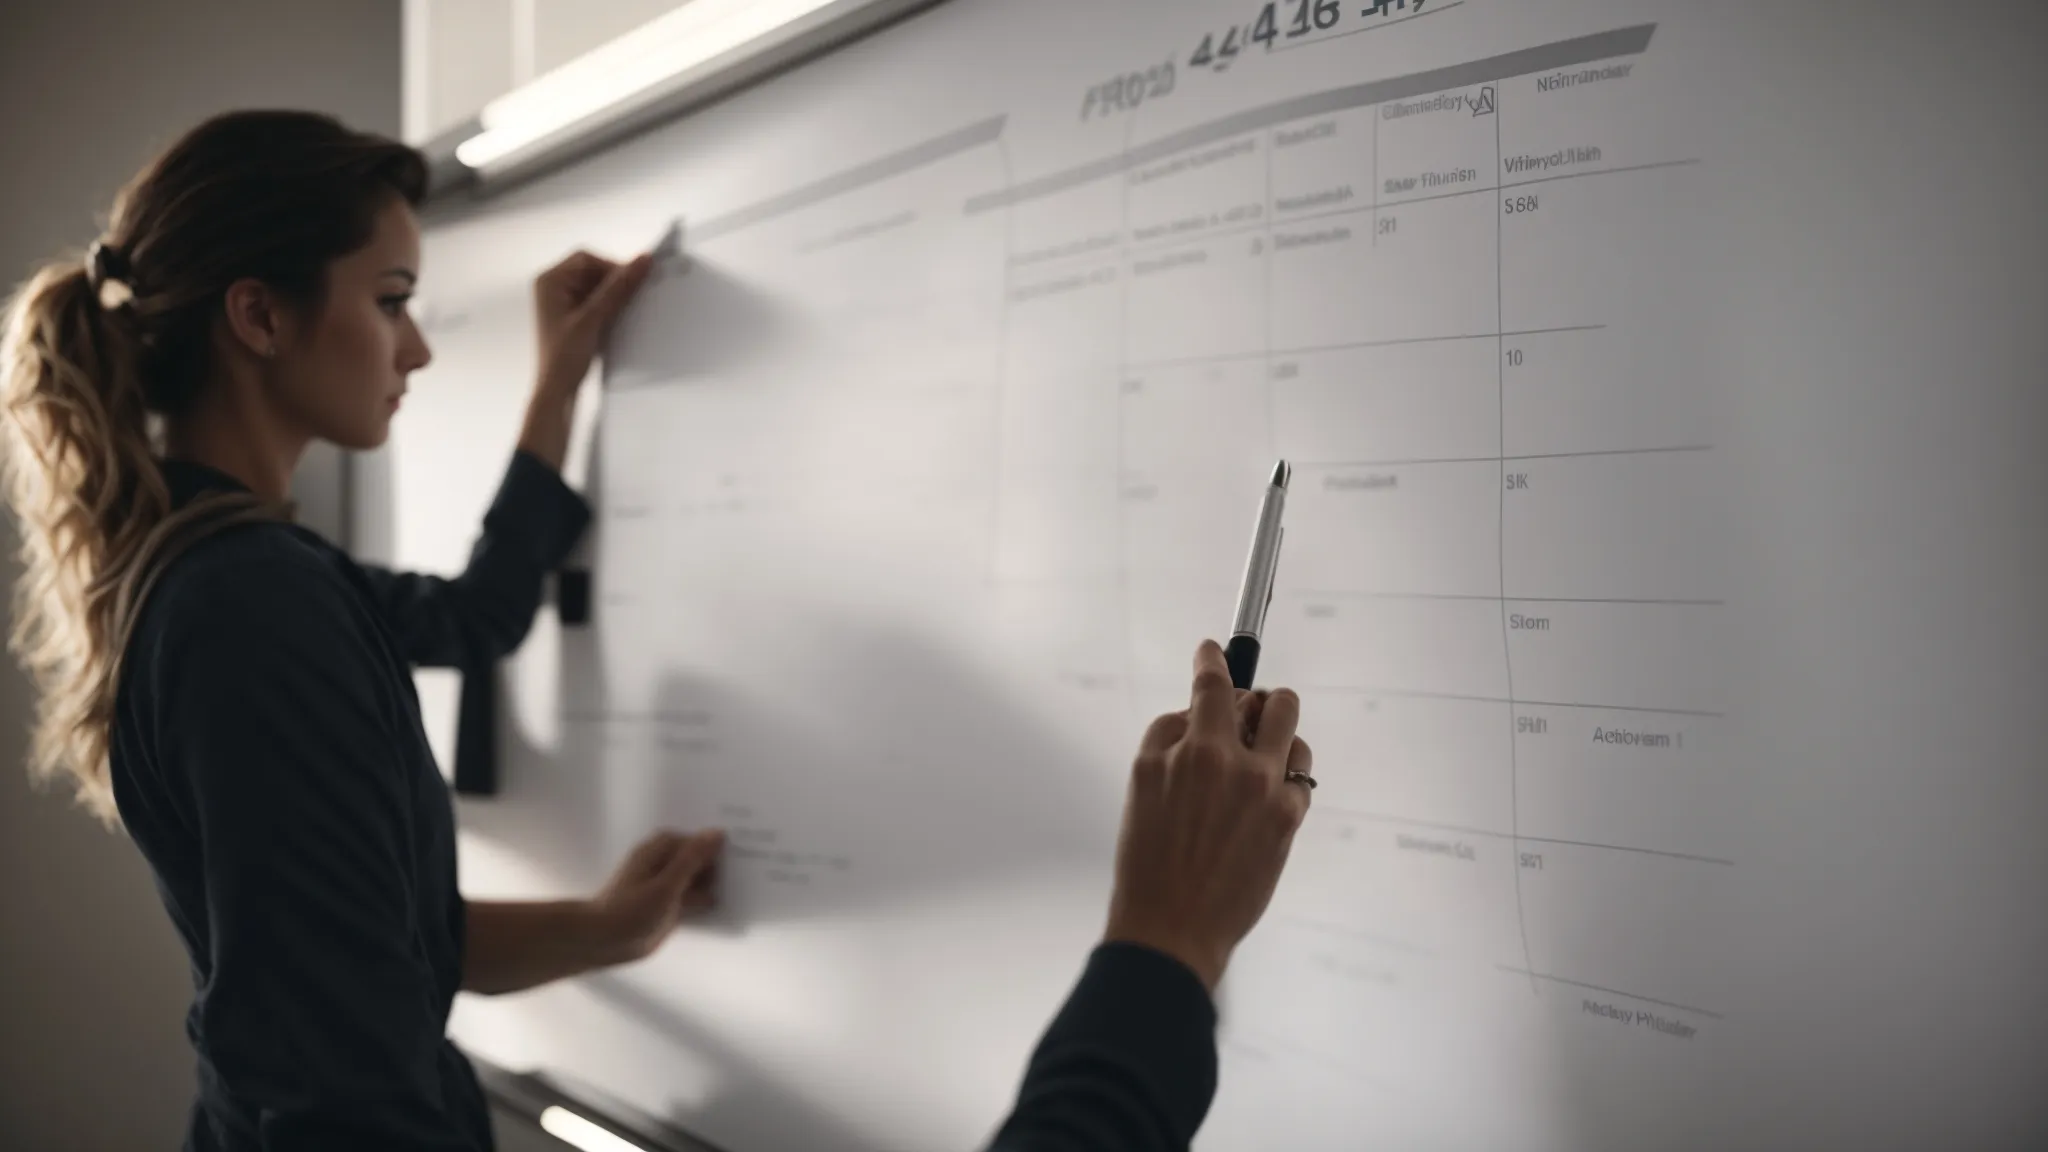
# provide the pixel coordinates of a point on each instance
(95, 516)
(97, 348)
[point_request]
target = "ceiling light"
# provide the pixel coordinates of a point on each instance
(682, 49)
(574, 1130)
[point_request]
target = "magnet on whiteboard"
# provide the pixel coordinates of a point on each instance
(572, 596)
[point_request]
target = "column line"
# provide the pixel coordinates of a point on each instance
(1506, 641)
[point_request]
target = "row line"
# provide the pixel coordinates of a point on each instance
(1193, 236)
(1198, 235)
(1340, 594)
(606, 715)
(1581, 454)
(1349, 346)
(1472, 698)
(1544, 976)
(1420, 950)
(1523, 838)
(641, 511)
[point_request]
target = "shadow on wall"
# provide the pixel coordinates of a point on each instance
(886, 774)
(732, 323)
(889, 776)
(858, 766)
(550, 805)
(878, 769)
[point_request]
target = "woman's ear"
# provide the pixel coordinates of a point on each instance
(256, 317)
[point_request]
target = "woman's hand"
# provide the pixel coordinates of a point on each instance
(665, 878)
(575, 304)
(515, 945)
(1209, 820)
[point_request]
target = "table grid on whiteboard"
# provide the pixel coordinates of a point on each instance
(1357, 280)
(1489, 98)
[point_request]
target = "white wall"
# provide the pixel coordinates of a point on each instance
(93, 984)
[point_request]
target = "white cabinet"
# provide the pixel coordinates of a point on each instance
(461, 54)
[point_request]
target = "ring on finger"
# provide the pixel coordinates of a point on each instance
(1297, 777)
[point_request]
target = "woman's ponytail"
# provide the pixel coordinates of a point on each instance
(97, 350)
(83, 482)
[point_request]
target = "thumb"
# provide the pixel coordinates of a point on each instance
(610, 296)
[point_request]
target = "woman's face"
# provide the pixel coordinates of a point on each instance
(342, 374)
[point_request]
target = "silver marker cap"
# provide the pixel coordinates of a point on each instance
(1264, 561)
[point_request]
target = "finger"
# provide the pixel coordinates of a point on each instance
(1296, 797)
(616, 289)
(699, 896)
(1164, 732)
(1277, 723)
(652, 854)
(706, 878)
(1250, 705)
(701, 890)
(693, 858)
(579, 267)
(1211, 707)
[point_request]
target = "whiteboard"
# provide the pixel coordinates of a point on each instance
(1663, 571)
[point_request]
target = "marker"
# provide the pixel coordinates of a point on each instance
(1242, 653)
(669, 248)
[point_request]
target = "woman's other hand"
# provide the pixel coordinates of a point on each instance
(1209, 820)
(666, 878)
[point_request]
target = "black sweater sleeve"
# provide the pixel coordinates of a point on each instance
(276, 723)
(483, 614)
(1128, 1065)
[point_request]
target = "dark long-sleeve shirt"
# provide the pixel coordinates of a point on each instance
(1128, 1065)
(269, 761)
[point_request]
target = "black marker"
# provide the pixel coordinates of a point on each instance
(1242, 653)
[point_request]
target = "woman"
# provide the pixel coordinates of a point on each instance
(236, 693)
(253, 725)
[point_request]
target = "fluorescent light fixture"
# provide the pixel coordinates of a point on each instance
(687, 45)
(572, 1129)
